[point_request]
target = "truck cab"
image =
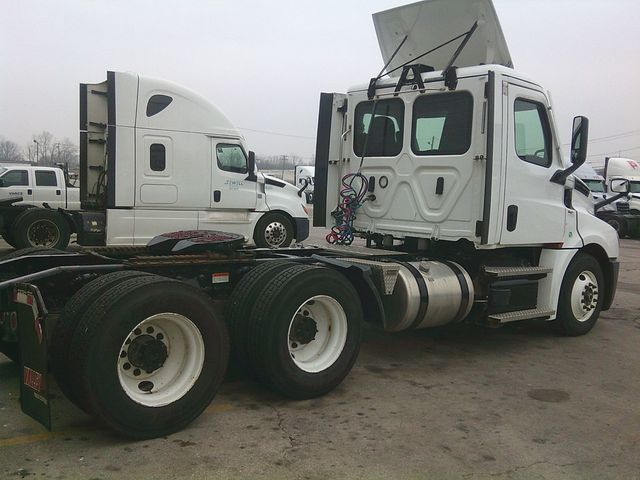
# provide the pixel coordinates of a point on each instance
(157, 157)
(624, 168)
(37, 186)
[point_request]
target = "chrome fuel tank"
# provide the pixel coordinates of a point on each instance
(428, 294)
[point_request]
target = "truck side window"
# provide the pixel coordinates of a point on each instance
(157, 157)
(442, 124)
(157, 103)
(15, 178)
(384, 131)
(231, 158)
(46, 178)
(532, 133)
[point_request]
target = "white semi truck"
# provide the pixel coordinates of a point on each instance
(616, 168)
(155, 157)
(452, 176)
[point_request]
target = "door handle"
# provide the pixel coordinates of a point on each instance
(440, 186)
(512, 217)
(216, 195)
(29, 191)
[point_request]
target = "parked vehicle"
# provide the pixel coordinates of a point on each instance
(162, 158)
(616, 213)
(625, 168)
(465, 218)
(25, 187)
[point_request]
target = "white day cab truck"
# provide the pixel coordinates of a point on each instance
(615, 213)
(24, 188)
(156, 157)
(452, 176)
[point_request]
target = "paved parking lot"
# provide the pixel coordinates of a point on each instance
(461, 402)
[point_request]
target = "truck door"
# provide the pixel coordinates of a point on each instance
(15, 183)
(231, 187)
(534, 210)
(424, 154)
(48, 188)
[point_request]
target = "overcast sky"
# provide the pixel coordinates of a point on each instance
(265, 63)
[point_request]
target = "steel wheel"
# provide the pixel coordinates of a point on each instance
(275, 234)
(584, 296)
(161, 359)
(43, 233)
(317, 334)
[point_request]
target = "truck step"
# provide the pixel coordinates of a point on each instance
(521, 315)
(516, 272)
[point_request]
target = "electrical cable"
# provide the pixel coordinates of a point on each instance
(352, 196)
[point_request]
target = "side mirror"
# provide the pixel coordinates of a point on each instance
(251, 164)
(579, 140)
(620, 185)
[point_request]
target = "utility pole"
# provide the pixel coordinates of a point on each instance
(284, 159)
(37, 149)
(52, 150)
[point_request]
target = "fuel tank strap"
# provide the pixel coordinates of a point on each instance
(424, 294)
(464, 289)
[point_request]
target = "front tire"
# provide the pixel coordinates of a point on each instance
(40, 227)
(305, 331)
(148, 356)
(273, 230)
(581, 296)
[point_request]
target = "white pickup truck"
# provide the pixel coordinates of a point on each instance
(25, 187)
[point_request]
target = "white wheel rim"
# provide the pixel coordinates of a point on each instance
(275, 234)
(326, 315)
(177, 374)
(584, 296)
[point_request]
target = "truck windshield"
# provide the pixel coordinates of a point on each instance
(596, 186)
(635, 187)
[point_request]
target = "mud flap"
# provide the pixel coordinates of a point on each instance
(32, 341)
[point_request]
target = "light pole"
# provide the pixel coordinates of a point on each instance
(54, 147)
(37, 149)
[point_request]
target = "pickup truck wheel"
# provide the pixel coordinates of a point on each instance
(305, 331)
(40, 227)
(581, 296)
(148, 356)
(242, 301)
(273, 230)
(67, 323)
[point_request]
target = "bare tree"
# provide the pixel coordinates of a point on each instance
(66, 152)
(43, 143)
(10, 151)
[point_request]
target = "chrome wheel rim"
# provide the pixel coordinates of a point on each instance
(275, 234)
(584, 296)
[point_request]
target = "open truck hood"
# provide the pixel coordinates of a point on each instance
(432, 22)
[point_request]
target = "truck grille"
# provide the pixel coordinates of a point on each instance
(623, 207)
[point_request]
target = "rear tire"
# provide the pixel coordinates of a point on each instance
(40, 227)
(581, 296)
(68, 321)
(241, 303)
(148, 356)
(305, 331)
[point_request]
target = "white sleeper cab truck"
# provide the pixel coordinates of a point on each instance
(24, 187)
(625, 169)
(453, 176)
(156, 157)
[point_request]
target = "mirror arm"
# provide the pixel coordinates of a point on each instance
(609, 201)
(304, 187)
(560, 176)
